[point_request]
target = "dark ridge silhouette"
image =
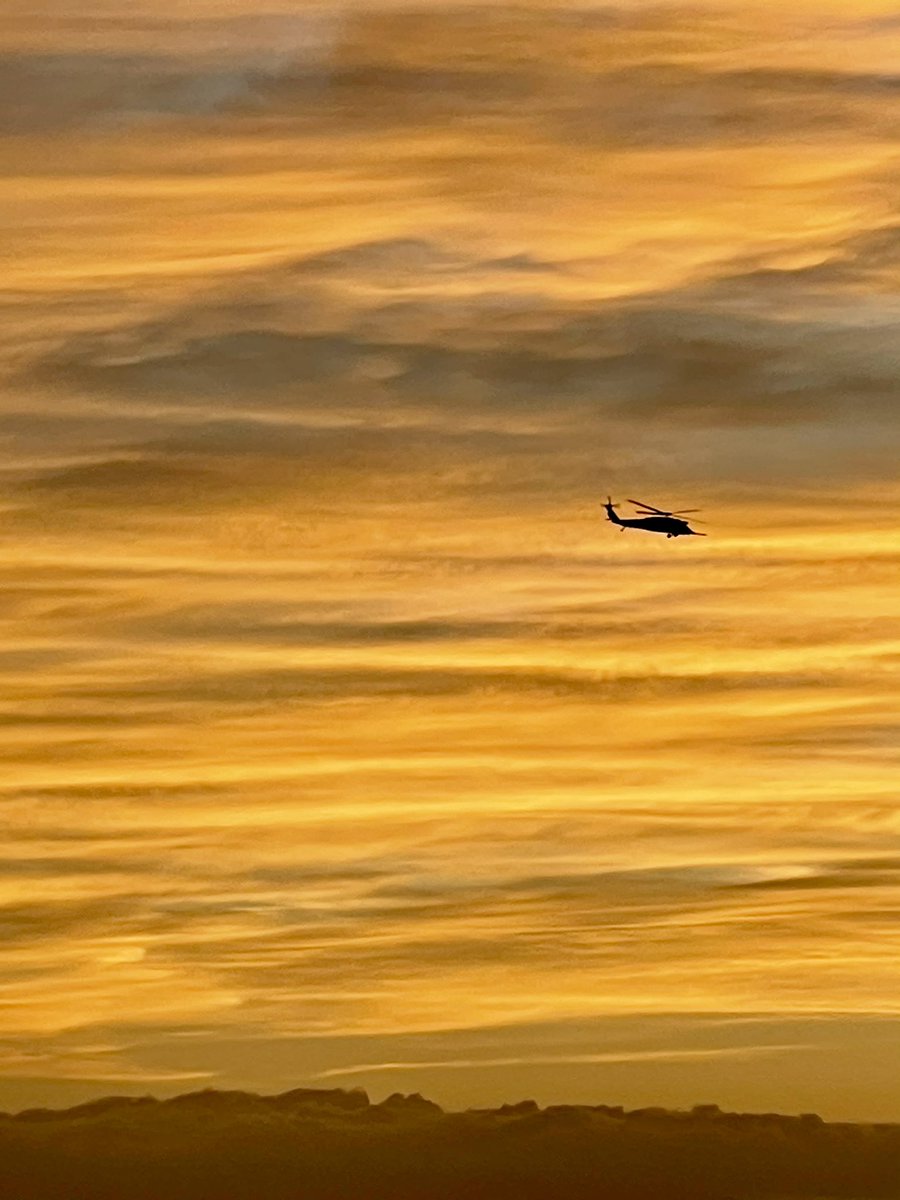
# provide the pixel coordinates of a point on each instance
(331, 1144)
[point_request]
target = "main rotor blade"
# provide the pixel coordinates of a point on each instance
(658, 512)
(640, 504)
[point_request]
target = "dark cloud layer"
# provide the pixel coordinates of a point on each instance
(670, 357)
(378, 71)
(322, 683)
(796, 395)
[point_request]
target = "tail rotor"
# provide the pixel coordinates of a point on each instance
(611, 514)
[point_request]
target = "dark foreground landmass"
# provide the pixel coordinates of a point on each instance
(334, 1145)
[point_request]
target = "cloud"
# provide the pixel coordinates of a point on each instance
(874, 872)
(62, 865)
(640, 883)
(37, 921)
(238, 365)
(678, 104)
(217, 623)
(351, 72)
(135, 483)
(325, 682)
(492, 404)
(58, 93)
(397, 263)
(151, 73)
(636, 1056)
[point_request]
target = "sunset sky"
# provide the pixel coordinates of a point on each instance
(344, 742)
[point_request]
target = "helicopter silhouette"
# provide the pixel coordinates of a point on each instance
(654, 520)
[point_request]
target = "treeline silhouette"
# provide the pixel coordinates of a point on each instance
(311, 1144)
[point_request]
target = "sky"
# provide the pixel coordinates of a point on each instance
(345, 742)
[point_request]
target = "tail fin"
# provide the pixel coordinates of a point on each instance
(611, 514)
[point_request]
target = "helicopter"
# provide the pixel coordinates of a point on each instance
(654, 520)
